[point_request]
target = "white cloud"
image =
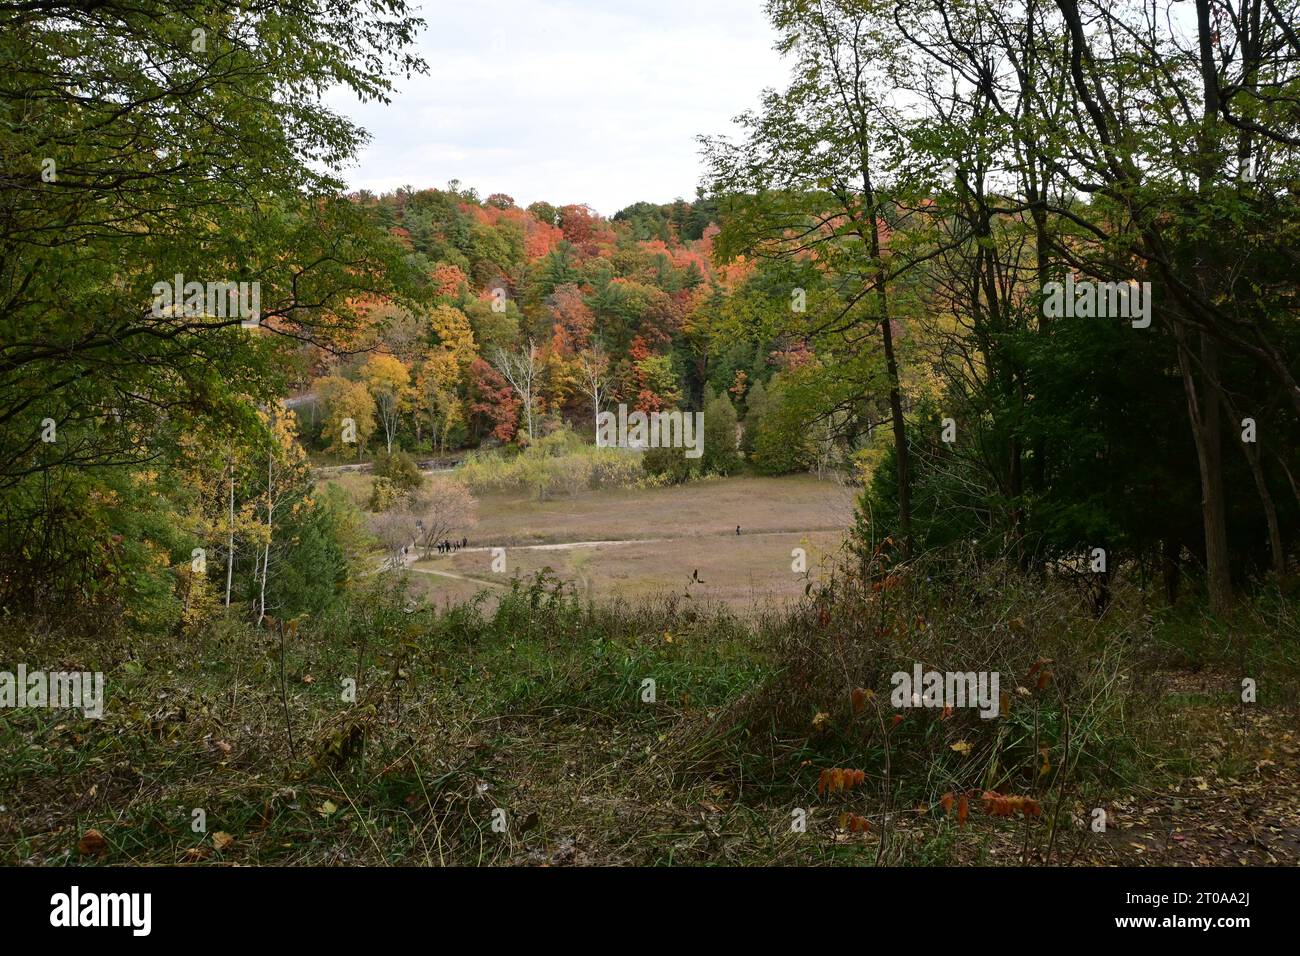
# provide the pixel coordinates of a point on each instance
(578, 101)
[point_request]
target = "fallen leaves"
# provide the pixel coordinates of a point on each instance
(221, 839)
(92, 843)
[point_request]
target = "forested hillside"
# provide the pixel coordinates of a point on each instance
(611, 310)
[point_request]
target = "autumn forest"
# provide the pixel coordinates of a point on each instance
(985, 548)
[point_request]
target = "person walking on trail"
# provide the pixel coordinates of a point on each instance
(737, 529)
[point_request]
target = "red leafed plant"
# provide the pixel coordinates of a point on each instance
(859, 698)
(854, 823)
(839, 778)
(1002, 805)
(994, 804)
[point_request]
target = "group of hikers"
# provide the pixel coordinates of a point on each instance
(444, 546)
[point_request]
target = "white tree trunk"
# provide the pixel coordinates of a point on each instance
(270, 508)
(521, 372)
(230, 539)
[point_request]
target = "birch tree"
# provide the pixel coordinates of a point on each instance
(593, 364)
(520, 370)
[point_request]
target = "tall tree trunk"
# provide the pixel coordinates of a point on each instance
(871, 207)
(900, 433)
(230, 535)
(1209, 447)
(1203, 410)
(903, 454)
(1214, 505)
(1277, 553)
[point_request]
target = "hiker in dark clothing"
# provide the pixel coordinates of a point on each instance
(737, 529)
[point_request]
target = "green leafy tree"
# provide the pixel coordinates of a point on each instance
(120, 119)
(721, 456)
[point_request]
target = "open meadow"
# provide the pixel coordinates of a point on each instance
(640, 542)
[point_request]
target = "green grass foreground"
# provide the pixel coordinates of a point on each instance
(526, 735)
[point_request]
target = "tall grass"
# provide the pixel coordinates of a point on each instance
(559, 464)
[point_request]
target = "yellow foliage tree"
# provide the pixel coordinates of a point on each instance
(349, 411)
(389, 382)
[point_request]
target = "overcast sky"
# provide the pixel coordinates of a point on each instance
(568, 101)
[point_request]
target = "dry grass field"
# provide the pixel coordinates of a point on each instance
(633, 542)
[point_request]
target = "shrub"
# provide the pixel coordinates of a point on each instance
(558, 463)
(382, 495)
(1076, 707)
(670, 465)
(401, 471)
